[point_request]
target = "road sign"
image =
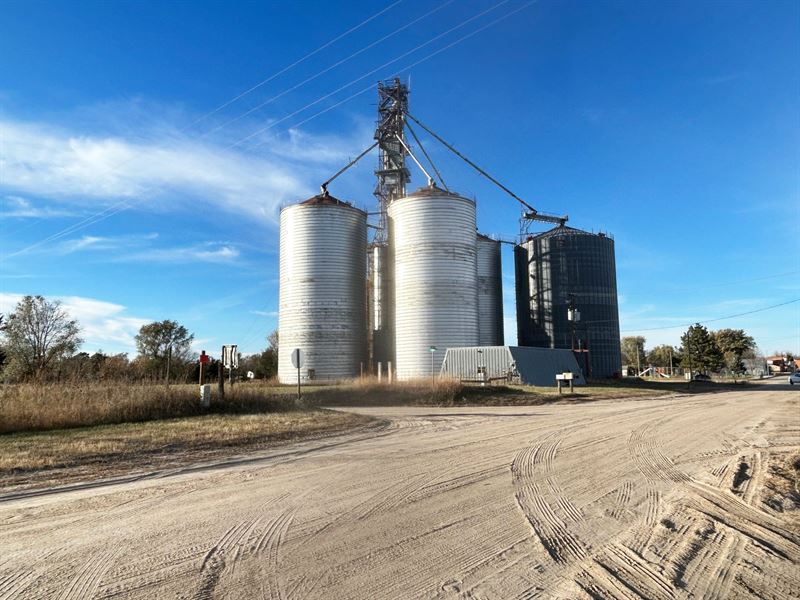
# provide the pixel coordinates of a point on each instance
(298, 357)
(230, 357)
(204, 358)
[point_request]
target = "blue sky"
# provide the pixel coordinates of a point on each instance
(674, 126)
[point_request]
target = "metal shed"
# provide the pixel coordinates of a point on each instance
(531, 366)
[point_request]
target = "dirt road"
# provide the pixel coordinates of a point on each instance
(628, 499)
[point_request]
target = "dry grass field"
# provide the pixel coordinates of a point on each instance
(64, 455)
(59, 433)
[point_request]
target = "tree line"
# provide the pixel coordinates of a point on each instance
(40, 342)
(700, 350)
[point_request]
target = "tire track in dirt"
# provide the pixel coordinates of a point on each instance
(88, 578)
(153, 570)
(559, 542)
(758, 526)
(249, 537)
(649, 459)
(621, 500)
(14, 584)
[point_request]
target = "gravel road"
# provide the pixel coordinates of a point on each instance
(661, 498)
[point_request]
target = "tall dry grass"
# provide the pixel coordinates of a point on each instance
(32, 407)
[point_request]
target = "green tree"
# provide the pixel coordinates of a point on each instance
(664, 356)
(734, 344)
(700, 351)
(269, 358)
(633, 347)
(37, 336)
(164, 347)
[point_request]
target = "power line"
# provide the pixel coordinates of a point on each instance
(330, 68)
(749, 312)
(295, 63)
(369, 73)
(408, 67)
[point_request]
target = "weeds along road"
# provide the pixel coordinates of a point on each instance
(629, 499)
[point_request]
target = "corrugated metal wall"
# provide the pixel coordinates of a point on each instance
(490, 292)
(549, 269)
(322, 290)
(432, 241)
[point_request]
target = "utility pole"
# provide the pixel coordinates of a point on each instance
(671, 370)
(638, 366)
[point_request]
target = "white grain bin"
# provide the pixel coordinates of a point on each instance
(323, 244)
(490, 293)
(433, 244)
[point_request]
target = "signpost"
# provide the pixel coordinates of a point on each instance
(297, 362)
(230, 360)
(204, 358)
(433, 375)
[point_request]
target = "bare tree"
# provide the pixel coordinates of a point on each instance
(37, 335)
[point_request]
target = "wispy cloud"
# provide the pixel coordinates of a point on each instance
(96, 164)
(104, 325)
(138, 248)
(265, 313)
(211, 252)
(22, 208)
(104, 243)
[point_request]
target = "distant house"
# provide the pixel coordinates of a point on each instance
(780, 364)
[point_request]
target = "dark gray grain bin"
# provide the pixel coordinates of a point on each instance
(563, 265)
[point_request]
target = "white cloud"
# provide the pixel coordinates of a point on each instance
(265, 313)
(104, 325)
(22, 208)
(82, 168)
(211, 252)
(132, 248)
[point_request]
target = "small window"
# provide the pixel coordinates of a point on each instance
(311, 373)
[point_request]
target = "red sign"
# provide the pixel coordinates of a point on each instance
(204, 358)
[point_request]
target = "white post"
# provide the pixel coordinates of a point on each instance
(389, 371)
(380, 371)
(205, 395)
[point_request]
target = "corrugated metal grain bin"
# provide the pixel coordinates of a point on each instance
(432, 242)
(490, 292)
(557, 267)
(323, 244)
